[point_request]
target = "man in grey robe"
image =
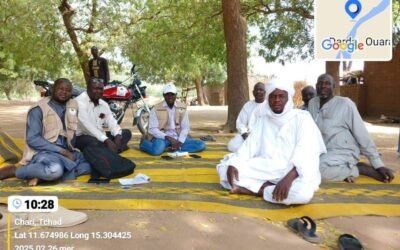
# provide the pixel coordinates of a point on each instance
(345, 137)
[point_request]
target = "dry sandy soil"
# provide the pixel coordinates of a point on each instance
(199, 230)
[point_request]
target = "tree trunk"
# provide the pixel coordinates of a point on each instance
(8, 95)
(206, 102)
(67, 12)
(332, 68)
(235, 39)
(199, 91)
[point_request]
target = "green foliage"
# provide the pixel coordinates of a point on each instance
(177, 40)
(31, 44)
(285, 28)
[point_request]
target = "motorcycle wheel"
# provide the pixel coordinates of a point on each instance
(143, 121)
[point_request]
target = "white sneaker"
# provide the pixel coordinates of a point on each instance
(62, 218)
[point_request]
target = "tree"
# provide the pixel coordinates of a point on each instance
(170, 43)
(235, 38)
(285, 28)
(29, 44)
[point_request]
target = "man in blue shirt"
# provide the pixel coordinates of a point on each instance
(49, 152)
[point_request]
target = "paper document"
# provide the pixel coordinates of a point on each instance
(178, 154)
(138, 179)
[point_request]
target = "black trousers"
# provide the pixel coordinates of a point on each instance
(83, 141)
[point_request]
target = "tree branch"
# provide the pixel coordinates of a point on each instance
(264, 8)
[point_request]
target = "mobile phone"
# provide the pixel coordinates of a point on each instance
(98, 181)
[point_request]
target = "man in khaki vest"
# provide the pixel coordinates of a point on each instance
(169, 127)
(49, 152)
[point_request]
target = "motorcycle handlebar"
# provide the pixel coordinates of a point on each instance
(41, 83)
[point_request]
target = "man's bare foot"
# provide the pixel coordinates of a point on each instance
(33, 182)
(369, 171)
(7, 172)
(240, 190)
(350, 179)
(261, 191)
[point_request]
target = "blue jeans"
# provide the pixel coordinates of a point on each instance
(158, 146)
(43, 166)
(50, 166)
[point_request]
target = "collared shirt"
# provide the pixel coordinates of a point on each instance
(34, 129)
(344, 132)
(154, 128)
(94, 119)
(246, 117)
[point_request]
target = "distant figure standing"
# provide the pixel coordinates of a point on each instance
(307, 93)
(98, 66)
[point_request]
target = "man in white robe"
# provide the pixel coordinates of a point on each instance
(246, 118)
(279, 160)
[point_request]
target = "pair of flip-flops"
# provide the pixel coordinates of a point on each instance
(305, 227)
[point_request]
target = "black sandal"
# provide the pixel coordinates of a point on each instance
(349, 242)
(300, 226)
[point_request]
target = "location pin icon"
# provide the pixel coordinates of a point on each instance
(17, 203)
(353, 8)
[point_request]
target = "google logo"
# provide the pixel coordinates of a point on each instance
(348, 45)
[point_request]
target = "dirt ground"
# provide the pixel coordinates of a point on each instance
(200, 230)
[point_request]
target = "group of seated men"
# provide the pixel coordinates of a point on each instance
(280, 153)
(286, 152)
(59, 128)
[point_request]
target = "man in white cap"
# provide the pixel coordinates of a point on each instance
(246, 118)
(279, 160)
(169, 127)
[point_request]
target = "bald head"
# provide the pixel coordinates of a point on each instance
(95, 51)
(325, 86)
(259, 92)
(307, 93)
(62, 90)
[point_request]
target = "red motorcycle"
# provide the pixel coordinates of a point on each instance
(118, 96)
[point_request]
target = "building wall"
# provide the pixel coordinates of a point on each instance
(382, 83)
(357, 93)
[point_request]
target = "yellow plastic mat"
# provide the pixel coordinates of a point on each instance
(192, 184)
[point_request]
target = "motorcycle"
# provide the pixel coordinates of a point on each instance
(118, 96)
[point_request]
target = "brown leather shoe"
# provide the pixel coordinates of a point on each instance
(7, 172)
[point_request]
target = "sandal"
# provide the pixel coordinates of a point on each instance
(207, 138)
(300, 226)
(349, 242)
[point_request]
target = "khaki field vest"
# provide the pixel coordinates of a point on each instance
(162, 117)
(52, 125)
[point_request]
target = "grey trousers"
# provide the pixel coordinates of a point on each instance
(337, 172)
